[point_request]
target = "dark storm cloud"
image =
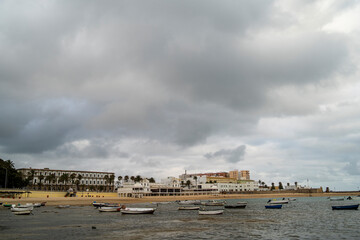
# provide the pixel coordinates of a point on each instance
(230, 155)
(82, 79)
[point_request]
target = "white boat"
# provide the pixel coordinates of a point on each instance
(37, 204)
(189, 208)
(137, 210)
(274, 201)
(214, 203)
(26, 212)
(189, 202)
(210, 212)
(292, 199)
(337, 199)
(22, 210)
(109, 209)
(63, 206)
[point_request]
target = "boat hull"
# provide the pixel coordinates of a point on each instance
(236, 206)
(346, 207)
(27, 212)
(273, 206)
(215, 212)
(188, 208)
(137, 210)
(109, 209)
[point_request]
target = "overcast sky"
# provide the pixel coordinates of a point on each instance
(159, 87)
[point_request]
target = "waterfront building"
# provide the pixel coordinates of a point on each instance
(62, 180)
(220, 180)
(244, 175)
(240, 186)
(134, 189)
(234, 174)
(210, 174)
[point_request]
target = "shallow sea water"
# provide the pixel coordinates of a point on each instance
(305, 218)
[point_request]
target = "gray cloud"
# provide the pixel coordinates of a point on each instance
(183, 76)
(230, 155)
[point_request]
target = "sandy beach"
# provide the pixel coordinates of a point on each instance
(78, 201)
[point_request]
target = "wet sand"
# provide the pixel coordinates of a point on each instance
(84, 201)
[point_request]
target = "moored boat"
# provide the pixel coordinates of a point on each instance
(189, 208)
(22, 210)
(235, 206)
(346, 207)
(214, 203)
(210, 212)
(336, 199)
(63, 206)
(275, 201)
(189, 202)
(25, 212)
(273, 206)
(109, 209)
(137, 210)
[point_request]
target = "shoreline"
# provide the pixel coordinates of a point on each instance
(77, 201)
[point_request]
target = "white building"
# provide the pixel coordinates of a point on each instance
(132, 189)
(171, 182)
(238, 187)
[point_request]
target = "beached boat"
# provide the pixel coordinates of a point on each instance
(137, 210)
(235, 205)
(63, 206)
(37, 204)
(210, 212)
(8, 205)
(109, 209)
(189, 208)
(273, 206)
(22, 210)
(337, 199)
(98, 204)
(275, 201)
(214, 203)
(189, 202)
(346, 207)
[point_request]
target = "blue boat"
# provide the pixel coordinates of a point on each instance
(346, 207)
(278, 206)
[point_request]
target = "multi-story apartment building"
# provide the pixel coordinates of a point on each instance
(62, 180)
(234, 174)
(245, 175)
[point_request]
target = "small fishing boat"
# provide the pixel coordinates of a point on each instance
(214, 203)
(235, 206)
(273, 206)
(210, 212)
(346, 207)
(292, 199)
(137, 210)
(8, 205)
(63, 206)
(189, 208)
(37, 204)
(337, 199)
(22, 210)
(189, 202)
(98, 204)
(109, 209)
(275, 201)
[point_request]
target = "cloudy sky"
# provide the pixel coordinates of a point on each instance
(159, 87)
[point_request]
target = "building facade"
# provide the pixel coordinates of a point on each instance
(62, 180)
(244, 175)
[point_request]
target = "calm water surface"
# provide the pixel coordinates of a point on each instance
(305, 218)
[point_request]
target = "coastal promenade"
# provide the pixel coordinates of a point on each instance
(112, 197)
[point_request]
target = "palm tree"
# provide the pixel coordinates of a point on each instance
(195, 178)
(132, 178)
(111, 178)
(188, 183)
(126, 178)
(120, 178)
(152, 180)
(137, 178)
(41, 177)
(72, 177)
(106, 178)
(272, 186)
